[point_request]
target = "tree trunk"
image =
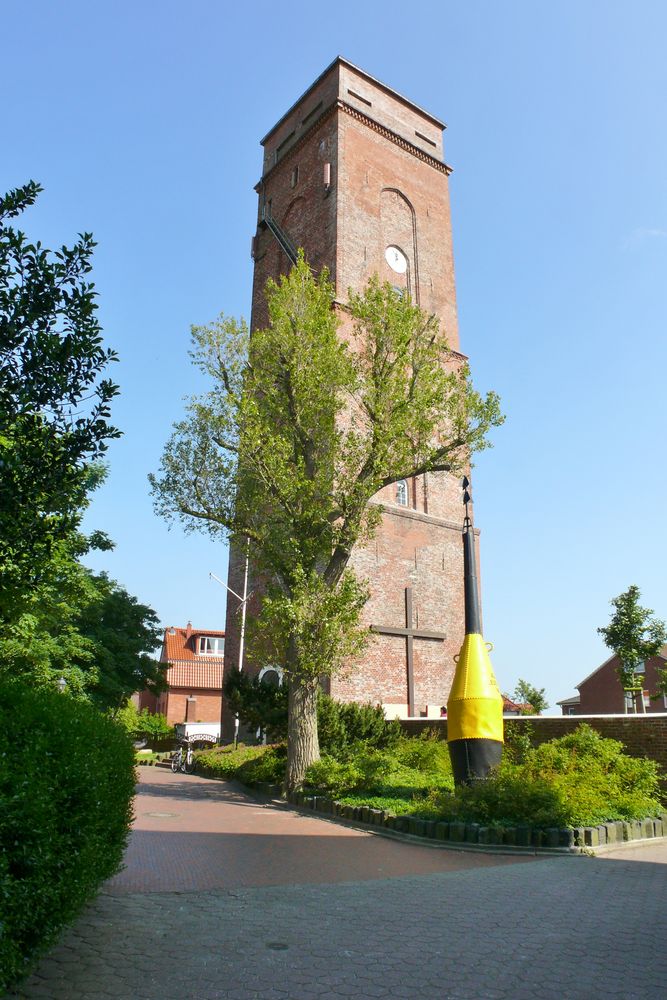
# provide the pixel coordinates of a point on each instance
(303, 747)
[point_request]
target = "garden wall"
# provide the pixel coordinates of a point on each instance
(643, 735)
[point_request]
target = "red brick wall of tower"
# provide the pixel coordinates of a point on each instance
(388, 187)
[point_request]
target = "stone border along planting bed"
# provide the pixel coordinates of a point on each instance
(472, 835)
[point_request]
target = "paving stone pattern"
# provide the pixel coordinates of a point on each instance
(565, 927)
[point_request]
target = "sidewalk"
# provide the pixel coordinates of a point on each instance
(227, 899)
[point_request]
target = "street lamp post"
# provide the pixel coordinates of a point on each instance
(243, 605)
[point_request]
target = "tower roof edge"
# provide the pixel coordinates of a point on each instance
(341, 61)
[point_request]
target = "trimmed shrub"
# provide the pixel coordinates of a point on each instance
(404, 773)
(426, 753)
(332, 776)
(580, 779)
(269, 767)
(342, 726)
(250, 765)
(225, 762)
(66, 787)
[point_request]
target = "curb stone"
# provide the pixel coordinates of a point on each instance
(475, 837)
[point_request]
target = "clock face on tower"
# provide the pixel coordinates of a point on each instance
(396, 259)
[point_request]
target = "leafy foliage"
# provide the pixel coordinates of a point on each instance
(580, 779)
(632, 634)
(331, 776)
(54, 402)
(142, 724)
(66, 787)
(405, 771)
(268, 767)
(526, 694)
(341, 725)
(344, 725)
(226, 761)
(518, 741)
(87, 629)
(258, 705)
(122, 633)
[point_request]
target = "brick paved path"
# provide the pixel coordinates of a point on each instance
(224, 899)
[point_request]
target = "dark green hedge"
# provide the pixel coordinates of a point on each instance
(66, 787)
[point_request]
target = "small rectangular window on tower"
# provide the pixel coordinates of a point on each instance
(294, 179)
(358, 97)
(425, 138)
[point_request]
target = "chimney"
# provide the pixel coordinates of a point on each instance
(188, 630)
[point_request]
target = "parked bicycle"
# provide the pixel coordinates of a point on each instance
(183, 760)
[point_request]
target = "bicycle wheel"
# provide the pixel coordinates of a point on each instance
(188, 765)
(176, 763)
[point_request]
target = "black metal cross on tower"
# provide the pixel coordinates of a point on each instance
(410, 634)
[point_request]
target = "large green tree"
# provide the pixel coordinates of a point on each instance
(85, 628)
(123, 634)
(54, 402)
(633, 634)
(300, 430)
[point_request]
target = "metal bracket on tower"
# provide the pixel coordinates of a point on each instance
(283, 240)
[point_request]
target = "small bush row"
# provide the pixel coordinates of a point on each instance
(252, 765)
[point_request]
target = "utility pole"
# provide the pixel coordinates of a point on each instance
(243, 605)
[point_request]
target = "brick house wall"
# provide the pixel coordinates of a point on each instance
(389, 187)
(601, 692)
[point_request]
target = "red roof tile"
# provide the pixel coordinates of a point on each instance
(178, 645)
(188, 668)
(196, 675)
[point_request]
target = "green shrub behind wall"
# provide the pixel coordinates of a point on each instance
(66, 787)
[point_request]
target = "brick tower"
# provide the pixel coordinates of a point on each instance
(354, 174)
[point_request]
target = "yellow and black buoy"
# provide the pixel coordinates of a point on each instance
(475, 706)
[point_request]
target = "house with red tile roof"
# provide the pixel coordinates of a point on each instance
(194, 676)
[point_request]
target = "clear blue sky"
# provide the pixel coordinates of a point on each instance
(142, 121)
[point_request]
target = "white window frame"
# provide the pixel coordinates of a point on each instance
(402, 490)
(218, 642)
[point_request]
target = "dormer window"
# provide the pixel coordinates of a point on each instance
(402, 493)
(211, 645)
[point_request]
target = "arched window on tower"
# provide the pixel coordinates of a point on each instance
(402, 493)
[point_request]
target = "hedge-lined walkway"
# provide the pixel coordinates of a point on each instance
(226, 899)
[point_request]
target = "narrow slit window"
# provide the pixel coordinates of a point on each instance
(358, 97)
(283, 145)
(311, 114)
(425, 138)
